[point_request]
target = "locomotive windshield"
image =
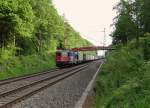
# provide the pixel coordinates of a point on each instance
(58, 53)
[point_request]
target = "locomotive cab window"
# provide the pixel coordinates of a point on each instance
(69, 53)
(58, 54)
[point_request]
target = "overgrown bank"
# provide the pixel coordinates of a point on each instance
(30, 32)
(24, 65)
(124, 81)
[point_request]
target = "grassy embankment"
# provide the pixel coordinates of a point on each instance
(24, 65)
(124, 81)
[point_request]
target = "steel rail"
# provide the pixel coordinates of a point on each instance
(5, 98)
(10, 80)
(33, 83)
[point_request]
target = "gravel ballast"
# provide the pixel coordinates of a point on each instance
(64, 94)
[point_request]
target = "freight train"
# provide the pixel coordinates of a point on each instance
(66, 57)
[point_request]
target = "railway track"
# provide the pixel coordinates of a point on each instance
(18, 89)
(9, 80)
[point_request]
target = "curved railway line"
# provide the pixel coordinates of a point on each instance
(17, 89)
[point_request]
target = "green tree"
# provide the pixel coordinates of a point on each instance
(15, 21)
(125, 27)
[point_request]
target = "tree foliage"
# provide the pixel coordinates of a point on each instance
(133, 20)
(15, 21)
(34, 26)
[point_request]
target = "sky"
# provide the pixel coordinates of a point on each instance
(89, 17)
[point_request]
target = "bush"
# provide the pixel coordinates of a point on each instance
(124, 81)
(23, 65)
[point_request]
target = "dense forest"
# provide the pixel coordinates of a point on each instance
(30, 32)
(124, 81)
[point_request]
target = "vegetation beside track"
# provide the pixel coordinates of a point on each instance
(124, 81)
(30, 32)
(24, 65)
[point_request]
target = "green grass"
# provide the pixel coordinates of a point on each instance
(124, 81)
(24, 65)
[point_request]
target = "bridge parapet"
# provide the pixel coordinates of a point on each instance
(93, 48)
